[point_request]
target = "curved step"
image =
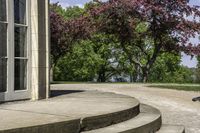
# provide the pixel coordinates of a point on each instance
(148, 121)
(95, 122)
(80, 111)
(171, 129)
(104, 120)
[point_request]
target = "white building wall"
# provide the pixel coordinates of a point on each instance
(40, 49)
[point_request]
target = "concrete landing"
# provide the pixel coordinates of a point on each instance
(69, 112)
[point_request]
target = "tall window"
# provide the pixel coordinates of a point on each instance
(3, 45)
(20, 44)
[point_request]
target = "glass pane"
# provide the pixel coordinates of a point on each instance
(20, 42)
(3, 10)
(3, 40)
(20, 11)
(3, 75)
(20, 74)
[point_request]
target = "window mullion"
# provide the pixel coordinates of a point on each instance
(4, 22)
(21, 58)
(20, 25)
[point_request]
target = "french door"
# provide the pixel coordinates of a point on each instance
(14, 50)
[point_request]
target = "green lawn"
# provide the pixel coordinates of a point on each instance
(73, 82)
(67, 82)
(185, 87)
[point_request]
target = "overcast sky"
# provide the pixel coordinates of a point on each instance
(186, 60)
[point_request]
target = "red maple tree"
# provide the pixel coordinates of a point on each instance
(167, 25)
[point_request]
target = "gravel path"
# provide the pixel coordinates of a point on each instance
(176, 106)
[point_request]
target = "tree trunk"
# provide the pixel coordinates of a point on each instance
(145, 74)
(145, 78)
(138, 78)
(131, 78)
(102, 76)
(51, 74)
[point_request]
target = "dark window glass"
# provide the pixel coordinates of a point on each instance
(20, 45)
(3, 75)
(20, 42)
(20, 74)
(20, 11)
(3, 10)
(3, 40)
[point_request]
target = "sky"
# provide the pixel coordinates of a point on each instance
(186, 60)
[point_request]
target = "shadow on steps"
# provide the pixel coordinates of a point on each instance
(56, 93)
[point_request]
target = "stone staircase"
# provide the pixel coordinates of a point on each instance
(138, 119)
(148, 120)
(84, 112)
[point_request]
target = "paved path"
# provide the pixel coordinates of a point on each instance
(176, 106)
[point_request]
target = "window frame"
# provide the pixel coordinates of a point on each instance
(28, 46)
(6, 56)
(11, 93)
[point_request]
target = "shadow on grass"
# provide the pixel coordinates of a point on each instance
(55, 93)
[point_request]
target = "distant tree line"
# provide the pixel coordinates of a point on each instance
(110, 42)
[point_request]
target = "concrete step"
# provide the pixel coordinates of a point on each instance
(100, 121)
(148, 121)
(71, 113)
(171, 129)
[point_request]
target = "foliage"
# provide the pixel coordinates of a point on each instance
(197, 72)
(143, 30)
(81, 64)
(67, 28)
(168, 27)
(167, 69)
(59, 44)
(89, 60)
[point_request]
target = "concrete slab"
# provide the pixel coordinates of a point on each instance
(69, 108)
(27, 122)
(171, 129)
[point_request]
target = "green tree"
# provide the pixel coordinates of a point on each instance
(91, 59)
(81, 64)
(197, 72)
(167, 69)
(68, 13)
(168, 30)
(142, 38)
(101, 45)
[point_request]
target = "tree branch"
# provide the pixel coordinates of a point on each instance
(132, 60)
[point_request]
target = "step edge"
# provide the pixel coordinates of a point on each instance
(171, 125)
(156, 123)
(110, 118)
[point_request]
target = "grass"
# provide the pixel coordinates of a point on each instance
(73, 82)
(184, 87)
(68, 82)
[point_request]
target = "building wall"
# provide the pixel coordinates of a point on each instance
(40, 49)
(25, 75)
